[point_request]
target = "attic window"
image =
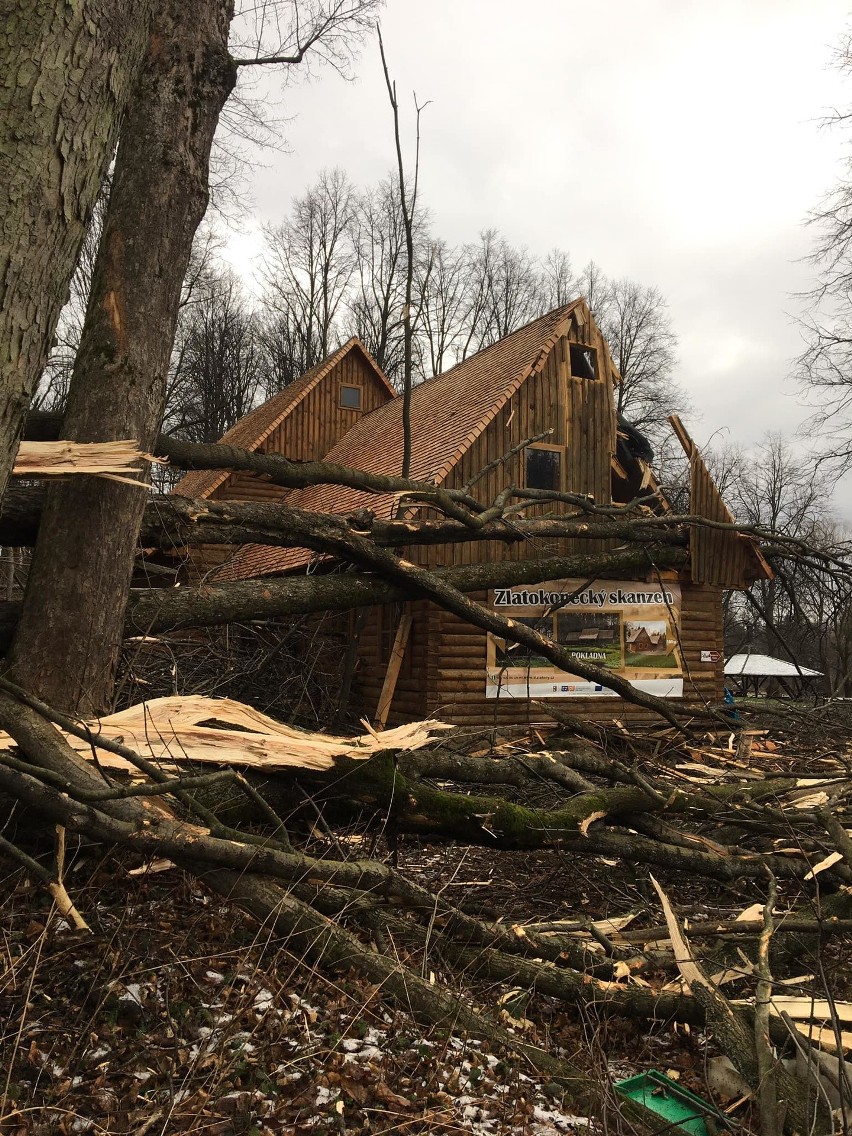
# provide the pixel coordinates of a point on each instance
(350, 397)
(544, 468)
(584, 361)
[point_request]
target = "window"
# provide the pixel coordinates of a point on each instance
(350, 397)
(584, 361)
(544, 468)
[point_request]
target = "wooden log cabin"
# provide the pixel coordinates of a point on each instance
(304, 421)
(414, 659)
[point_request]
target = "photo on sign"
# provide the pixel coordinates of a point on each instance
(591, 637)
(516, 655)
(647, 644)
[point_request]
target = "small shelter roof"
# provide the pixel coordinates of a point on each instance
(448, 413)
(765, 666)
(252, 430)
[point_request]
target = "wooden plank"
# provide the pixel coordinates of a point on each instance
(395, 663)
(718, 556)
(682, 434)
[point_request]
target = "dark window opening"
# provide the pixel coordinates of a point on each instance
(584, 362)
(544, 469)
(350, 397)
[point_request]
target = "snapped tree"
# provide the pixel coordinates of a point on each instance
(70, 71)
(69, 654)
(158, 197)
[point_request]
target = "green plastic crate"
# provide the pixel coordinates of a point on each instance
(681, 1108)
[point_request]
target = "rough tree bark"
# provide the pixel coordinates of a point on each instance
(175, 522)
(159, 195)
(157, 610)
(67, 70)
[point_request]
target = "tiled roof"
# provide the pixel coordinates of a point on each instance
(448, 413)
(765, 665)
(253, 430)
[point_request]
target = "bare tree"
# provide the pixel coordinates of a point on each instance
(52, 389)
(407, 189)
(824, 368)
(778, 488)
(505, 290)
(378, 301)
(635, 323)
(217, 372)
(445, 293)
(558, 282)
(309, 269)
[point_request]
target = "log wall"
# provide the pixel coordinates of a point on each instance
(308, 432)
(718, 557)
(445, 669)
(410, 700)
(446, 675)
(580, 415)
(312, 427)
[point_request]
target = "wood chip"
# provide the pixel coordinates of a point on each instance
(828, 862)
(749, 914)
(588, 821)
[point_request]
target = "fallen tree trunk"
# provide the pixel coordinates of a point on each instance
(305, 897)
(456, 504)
(236, 872)
(172, 522)
(159, 610)
(582, 823)
(796, 1108)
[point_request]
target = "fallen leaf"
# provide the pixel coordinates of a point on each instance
(388, 1096)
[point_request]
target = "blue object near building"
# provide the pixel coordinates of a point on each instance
(734, 715)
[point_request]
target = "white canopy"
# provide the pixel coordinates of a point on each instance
(766, 666)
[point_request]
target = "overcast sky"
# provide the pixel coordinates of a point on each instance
(673, 141)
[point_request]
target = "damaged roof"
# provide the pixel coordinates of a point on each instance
(448, 413)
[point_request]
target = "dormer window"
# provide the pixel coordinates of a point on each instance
(350, 397)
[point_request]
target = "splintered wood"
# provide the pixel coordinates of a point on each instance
(115, 460)
(175, 730)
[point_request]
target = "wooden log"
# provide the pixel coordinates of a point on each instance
(397, 653)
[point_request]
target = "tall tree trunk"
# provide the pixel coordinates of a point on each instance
(67, 71)
(66, 648)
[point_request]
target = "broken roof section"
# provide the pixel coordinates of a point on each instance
(252, 431)
(719, 555)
